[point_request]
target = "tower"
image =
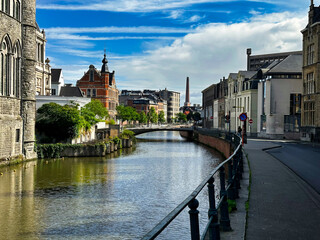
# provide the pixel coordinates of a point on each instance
(187, 102)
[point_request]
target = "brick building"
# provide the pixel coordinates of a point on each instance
(17, 78)
(101, 85)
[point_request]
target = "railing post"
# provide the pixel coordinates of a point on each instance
(236, 181)
(231, 194)
(214, 231)
(224, 211)
(194, 219)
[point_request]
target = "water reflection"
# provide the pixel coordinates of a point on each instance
(121, 196)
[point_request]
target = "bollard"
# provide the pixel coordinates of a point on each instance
(224, 211)
(214, 231)
(194, 219)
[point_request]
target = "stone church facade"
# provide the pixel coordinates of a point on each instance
(310, 130)
(17, 78)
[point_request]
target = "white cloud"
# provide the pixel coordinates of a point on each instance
(142, 5)
(211, 52)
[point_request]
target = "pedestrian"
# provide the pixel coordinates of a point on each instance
(239, 131)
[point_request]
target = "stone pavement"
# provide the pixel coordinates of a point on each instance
(282, 206)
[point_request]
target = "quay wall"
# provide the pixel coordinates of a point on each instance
(210, 139)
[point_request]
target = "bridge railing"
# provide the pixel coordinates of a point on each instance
(218, 213)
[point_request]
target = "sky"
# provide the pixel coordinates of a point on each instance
(156, 44)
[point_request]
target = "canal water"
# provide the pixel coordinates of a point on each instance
(121, 196)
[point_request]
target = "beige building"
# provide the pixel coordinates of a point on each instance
(310, 130)
(173, 102)
(43, 69)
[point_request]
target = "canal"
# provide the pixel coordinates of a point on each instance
(121, 196)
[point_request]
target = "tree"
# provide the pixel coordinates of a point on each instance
(189, 116)
(127, 113)
(152, 115)
(181, 117)
(143, 117)
(197, 116)
(161, 117)
(58, 123)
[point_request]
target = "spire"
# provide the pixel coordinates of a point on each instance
(187, 102)
(104, 68)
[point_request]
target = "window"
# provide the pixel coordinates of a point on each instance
(16, 63)
(17, 135)
(88, 92)
(7, 6)
(6, 69)
(53, 92)
(93, 92)
(295, 104)
(91, 75)
(309, 85)
(310, 54)
(18, 11)
(309, 114)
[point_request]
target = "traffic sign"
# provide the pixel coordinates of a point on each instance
(243, 117)
(250, 121)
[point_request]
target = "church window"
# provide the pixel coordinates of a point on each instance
(16, 64)
(6, 70)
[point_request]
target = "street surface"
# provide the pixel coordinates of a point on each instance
(303, 159)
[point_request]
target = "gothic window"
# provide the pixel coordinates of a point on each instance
(6, 67)
(17, 10)
(7, 6)
(16, 68)
(13, 8)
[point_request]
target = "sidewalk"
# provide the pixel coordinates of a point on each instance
(282, 206)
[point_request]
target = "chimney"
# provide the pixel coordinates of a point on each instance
(248, 58)
(187, 102)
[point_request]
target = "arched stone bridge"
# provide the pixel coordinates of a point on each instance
(140, 130)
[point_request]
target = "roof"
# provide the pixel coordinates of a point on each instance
(70, 91)
(291, 64)
(233, 75)
(247, 74)
(55, 75)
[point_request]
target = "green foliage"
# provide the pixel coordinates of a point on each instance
(60, 122)
(127, 113)
(127, 134)
(143, 117)
(161, 117)
(181, 117)
(111, 122)
(232, 205)
(94, 112)
(152, 116)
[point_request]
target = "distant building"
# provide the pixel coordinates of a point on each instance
(310, 130)
(101, 85)
(57, 81)
(143, 100)
(173, 102)
(43, 69)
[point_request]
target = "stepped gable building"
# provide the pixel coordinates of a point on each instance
(101, 85)
(17, 78)
(310, 130)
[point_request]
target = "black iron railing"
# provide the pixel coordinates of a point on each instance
(218, 214)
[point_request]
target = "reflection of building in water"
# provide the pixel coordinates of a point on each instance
(17, 202)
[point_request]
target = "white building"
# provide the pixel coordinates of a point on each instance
(57, 81)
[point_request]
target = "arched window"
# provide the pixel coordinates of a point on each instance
(13, 8)
(6, 66)
(18, 10)
(7, 6)
(16, 63)
(2, 5)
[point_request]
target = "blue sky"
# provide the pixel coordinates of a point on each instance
(158, 43)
